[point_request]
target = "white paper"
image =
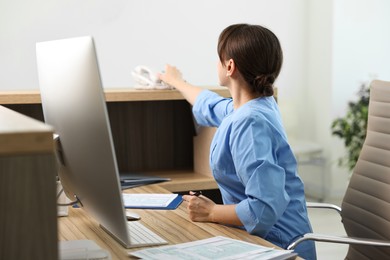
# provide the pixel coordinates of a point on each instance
(148, 199)
(216, 248)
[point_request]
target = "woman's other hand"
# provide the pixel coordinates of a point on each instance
(199, 208)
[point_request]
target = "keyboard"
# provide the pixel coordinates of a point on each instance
(142, 236)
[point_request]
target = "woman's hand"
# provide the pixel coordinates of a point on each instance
(172, 76)
(199, 208)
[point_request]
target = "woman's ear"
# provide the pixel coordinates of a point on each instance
(230, 67)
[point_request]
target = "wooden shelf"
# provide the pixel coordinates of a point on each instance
(20, 97)
(131, 94)
(185, 181)
(112, 95)
(153, 133)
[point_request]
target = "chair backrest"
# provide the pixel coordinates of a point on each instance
(366, 204)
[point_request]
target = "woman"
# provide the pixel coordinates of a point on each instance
(250, 157)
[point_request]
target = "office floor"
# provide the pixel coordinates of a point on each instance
(327, 221)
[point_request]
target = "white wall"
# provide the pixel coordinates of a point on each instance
(348, 45)
(151, 32)
(317, 95)
(360, 53)
(361, 47)
(329, 48)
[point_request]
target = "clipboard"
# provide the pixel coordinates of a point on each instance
(171, 206)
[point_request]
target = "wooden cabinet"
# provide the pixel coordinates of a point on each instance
(153, 132)
(28, 215)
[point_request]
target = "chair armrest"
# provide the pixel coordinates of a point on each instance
(323, 206)
(339, 239)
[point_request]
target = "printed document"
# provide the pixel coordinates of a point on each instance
(221, 248)
(148, 200)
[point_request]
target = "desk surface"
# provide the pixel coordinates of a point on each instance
(173, 225)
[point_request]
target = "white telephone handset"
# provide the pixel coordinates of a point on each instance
(147, 79)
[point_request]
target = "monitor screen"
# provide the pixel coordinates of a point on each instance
(73, 103)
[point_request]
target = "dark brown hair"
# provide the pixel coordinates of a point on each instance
(256, 52)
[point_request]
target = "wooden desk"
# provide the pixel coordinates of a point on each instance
(173, 225)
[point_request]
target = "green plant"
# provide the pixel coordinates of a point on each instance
(352, 127)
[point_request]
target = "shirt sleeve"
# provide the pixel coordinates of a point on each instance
(253, 146)
(210, 108)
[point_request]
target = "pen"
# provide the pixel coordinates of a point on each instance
(197, 193)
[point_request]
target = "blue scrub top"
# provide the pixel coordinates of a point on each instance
(255, 168)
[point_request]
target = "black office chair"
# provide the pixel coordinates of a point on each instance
(365, 209)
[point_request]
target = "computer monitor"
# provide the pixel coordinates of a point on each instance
(74, 104)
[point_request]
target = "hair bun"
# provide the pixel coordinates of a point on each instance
(263, 84)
